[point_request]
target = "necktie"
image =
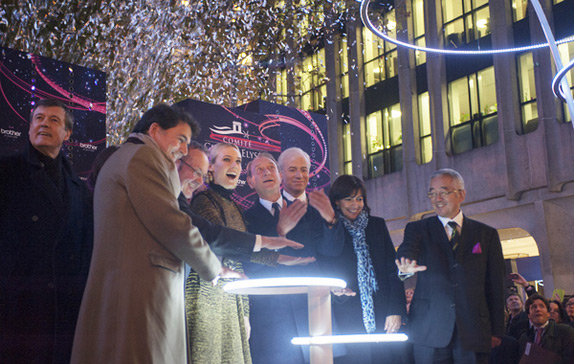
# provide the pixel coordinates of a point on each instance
(454, 235)
(276, 209)
(538, 335)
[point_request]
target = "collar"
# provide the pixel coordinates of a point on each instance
(302, 197)
(269, 204)
(458, 219)
(535, 327)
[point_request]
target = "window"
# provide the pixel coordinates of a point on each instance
(465, 21)
(527, 89)
(566, 54)
(419, 30)
(380, 57)
(384, 141)
(281, 87)
(347, 152)
(344, 68)
(425, 138)
(473, 111)
(312, 83)
(519, 9)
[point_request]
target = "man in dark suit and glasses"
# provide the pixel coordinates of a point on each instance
(457, 312)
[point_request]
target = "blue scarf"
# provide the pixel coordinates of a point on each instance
(365, 272)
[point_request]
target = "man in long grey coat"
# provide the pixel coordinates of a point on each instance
(133, 306)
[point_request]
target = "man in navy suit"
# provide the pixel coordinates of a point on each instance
(275, 320)
(457, 312)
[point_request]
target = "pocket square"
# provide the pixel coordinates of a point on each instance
(477, 249)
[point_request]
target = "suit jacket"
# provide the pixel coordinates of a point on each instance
(311, 231)
(133, 306)
(466, 289)
(223, 241)
(45, 248)
(275, 320)
(557, 338)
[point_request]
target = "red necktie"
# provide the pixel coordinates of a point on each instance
(538, 335)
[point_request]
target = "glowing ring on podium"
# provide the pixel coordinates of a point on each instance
(365, 19)
(348, 339)
(556, 89)
(298, 284)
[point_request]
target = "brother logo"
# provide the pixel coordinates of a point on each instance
(88, 147)
(10, 133)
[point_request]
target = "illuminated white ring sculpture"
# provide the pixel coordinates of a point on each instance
(556, 89)
(551, 42)
(367, 22)
(348, 339)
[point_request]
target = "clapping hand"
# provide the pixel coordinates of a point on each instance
(319, 200)
(289, 216)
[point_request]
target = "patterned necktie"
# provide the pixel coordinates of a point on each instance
(538, 335)
(454, 235)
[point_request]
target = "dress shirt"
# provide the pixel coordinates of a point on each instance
(302, 197)
(445, 220)
(269, 204)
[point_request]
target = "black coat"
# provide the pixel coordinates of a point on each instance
(466, 289)
(46, 245)
(389, 299)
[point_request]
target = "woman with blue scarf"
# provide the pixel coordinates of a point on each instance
(367, 264)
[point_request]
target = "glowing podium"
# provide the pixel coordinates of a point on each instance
(318, 292)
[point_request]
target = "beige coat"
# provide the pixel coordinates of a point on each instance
(133, 306)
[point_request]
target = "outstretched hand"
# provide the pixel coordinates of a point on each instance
(274, 243)
(228, 273)
(289, 216)
(392, 323)
(406, 265)
(343, 292)
(289, 260)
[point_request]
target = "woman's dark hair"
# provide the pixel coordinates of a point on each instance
(347, 185)
(561, 311)
(166, 117)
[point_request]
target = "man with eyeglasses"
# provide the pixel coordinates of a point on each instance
(192, 170)
(457, 312)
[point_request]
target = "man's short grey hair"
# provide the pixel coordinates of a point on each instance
(451, 173)
(291, 152)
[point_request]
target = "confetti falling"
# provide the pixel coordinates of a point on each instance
(222, 52)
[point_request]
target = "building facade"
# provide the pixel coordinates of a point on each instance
(396, 115)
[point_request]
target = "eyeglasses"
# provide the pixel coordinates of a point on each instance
(196, 173)
(442, 194)
(569, 304)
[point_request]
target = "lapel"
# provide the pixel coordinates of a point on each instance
(467, 239)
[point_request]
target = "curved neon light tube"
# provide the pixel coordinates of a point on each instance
(348, 339)
(365, 19)
(285, 282)
(556, 89)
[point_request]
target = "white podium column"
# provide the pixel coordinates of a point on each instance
(319, 301)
